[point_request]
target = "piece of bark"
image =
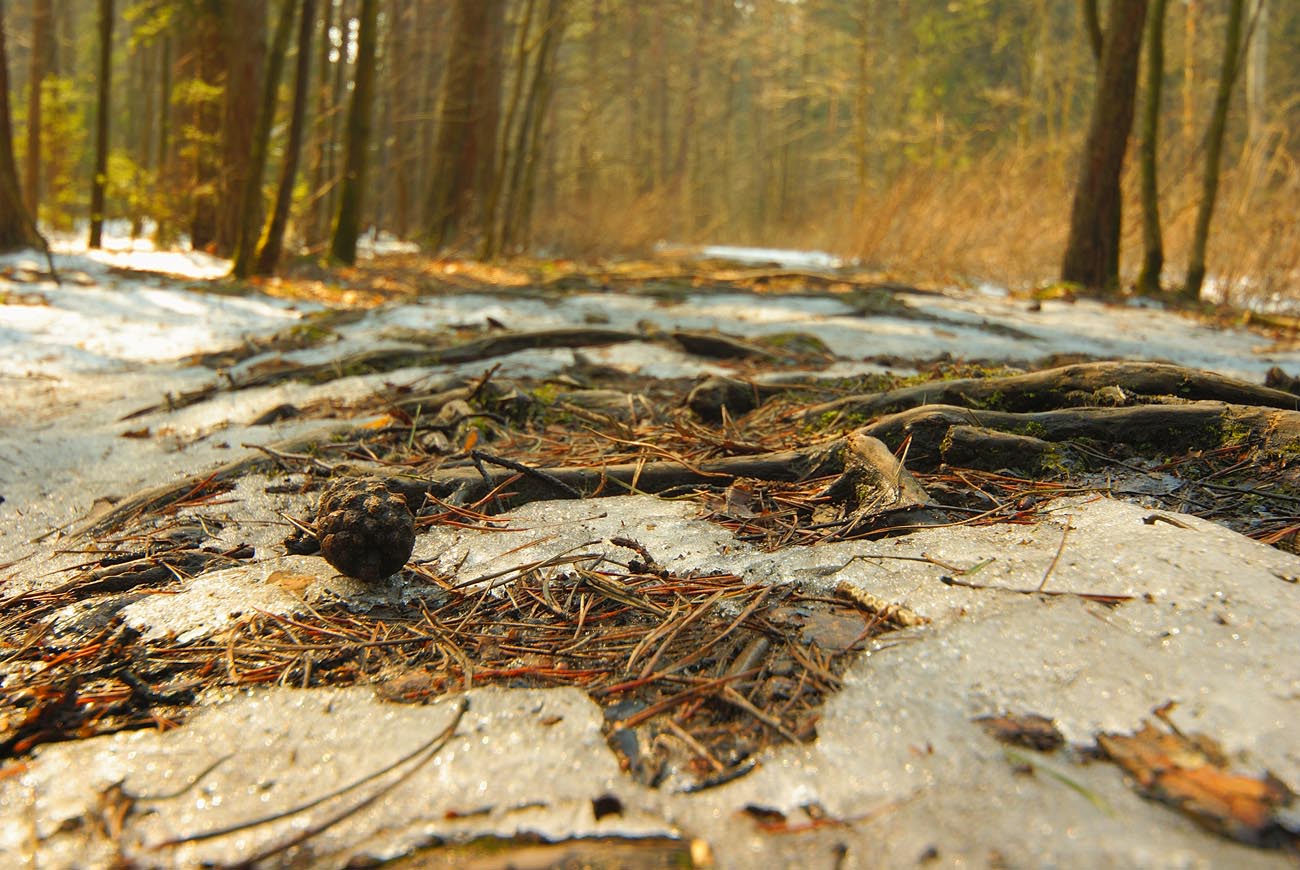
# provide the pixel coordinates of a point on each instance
(1189, 773)
(876, 489)
(715, 345)
(709, 397)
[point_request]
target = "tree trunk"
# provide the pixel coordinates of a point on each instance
(527, 149)
(322, 135)
(251, 202)
(1092, 252)
(1092, 26)
(467, 114)
(166, 163)
(202, 56)
(244, 38)
(101, 124)
(1214, 150)
(16, 227)
(1191, 17)
(1257, 111)
(41, 65)
(272, 243)
(344, 245)
(491, 243)
(1153, 254)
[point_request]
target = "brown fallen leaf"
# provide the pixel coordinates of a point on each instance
(291, 581)
(1189, 773)
(1023, 729)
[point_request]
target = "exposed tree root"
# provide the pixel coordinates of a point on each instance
(389, 359)
(991, 438)
(1103, 383)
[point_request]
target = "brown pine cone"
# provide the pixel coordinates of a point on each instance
(365, 531)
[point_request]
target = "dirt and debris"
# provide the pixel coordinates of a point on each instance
(1192, 774)
(818, 525)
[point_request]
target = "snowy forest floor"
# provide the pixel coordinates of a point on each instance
(661, 576)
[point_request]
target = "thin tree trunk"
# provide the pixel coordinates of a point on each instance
(862, 104)
(1191, 17)
(1214, 150)
(203, 55)
(662, 90)
(272, 243)
(467, 117)
(1257, 74)
(42, 48)
(635, 89)
(491, 245)
(1092, 252)
(16, 227)
(101, 124)
(528, 149)
(166, 161)
(1258, 112)
(1153, 254)
(322, 133)
(1092, 26)
(251, 201)
(343, 248)
(135, 124)
(244, 38)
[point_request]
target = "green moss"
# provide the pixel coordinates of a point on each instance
(1233, 433)
(1035, 430)
(1058, 290)
(546, 394)
(309, 333)
(842, 420)
(797, 342)
(1057, 460)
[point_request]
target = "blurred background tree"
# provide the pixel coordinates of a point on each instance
(941, 139)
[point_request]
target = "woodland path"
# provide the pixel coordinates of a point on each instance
(794, 593)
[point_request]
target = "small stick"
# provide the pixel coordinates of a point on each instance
(432, 746)
(480, 457)
(1059, 550)
(1099, 597)
(695, 745)
(731, 696)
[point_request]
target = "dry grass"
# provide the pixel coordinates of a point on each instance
(1006, 218)
(1003, 219)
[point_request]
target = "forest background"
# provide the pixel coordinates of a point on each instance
(937, 139)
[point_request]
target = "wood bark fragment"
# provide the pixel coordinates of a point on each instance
(876, 489)
(879, 607)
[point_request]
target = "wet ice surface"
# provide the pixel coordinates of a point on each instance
(896, 748)
(1211, 625)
